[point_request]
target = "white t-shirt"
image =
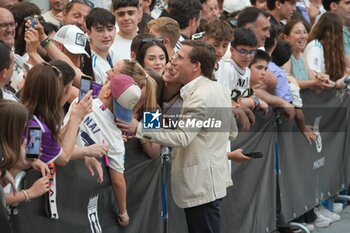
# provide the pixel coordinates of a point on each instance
(8, 95)
(295, 92)
(99, 127)
(235, 79)
(100, 66)
(106, 4)
(314, 56)
(120, 49)
(50, 18)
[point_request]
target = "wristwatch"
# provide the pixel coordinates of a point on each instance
(256, 100)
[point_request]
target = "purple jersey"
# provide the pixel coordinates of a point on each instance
(50, 148)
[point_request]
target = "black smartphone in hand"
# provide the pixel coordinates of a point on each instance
(85, 86)
(34, 142)
(254, 155)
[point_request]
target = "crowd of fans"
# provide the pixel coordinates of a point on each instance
(266, 52)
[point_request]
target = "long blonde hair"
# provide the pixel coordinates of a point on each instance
(138, 73)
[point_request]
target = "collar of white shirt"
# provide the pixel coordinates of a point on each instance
(186, 90)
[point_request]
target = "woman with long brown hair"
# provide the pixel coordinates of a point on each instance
(13, 122)
(325, 50)
(44, 93)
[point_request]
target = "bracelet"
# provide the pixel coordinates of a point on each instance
(45, 43)
(123, 215)
(256, 101)
(26, 195)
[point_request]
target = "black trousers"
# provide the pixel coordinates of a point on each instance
(204, 218)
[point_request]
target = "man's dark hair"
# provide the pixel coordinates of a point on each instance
(271, 4)
(260, 56)
(5, 58)
(125, 3)
(244, 36)
(271, 41)
(282, 53)
(184, 10)
(49, 27)
(203, 53)
(327, 4)
(248, 15)
(66, 70)
(99, 16)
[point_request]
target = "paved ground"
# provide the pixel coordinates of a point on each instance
(343, 226)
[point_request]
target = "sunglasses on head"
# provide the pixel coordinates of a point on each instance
(54, 68)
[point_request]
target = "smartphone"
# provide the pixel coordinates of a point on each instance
(34, 142)
(254, 155)
(33, 22)
(85, 86)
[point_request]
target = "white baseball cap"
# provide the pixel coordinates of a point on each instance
(72, 38)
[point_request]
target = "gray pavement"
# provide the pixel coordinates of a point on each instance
(343, 226)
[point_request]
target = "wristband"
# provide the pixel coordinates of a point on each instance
(26, 195)
(123, 215)
(45, 43)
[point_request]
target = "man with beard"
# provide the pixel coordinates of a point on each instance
(52, 16)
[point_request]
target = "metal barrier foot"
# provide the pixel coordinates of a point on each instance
(297, 225)
(342, 198)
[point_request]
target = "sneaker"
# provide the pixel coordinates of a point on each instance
(309, 226)
(329, 214)
(321, 221)
(337, 207)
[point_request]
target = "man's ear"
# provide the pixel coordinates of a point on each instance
(3, 76)
(166, 41)
(132, 55)
(333, 6)
(196, 66)
(193, 22)
(250, 26)
(278, 5)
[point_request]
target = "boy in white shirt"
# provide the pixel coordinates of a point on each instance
(128, 14)
(115, 100)
(101, 32)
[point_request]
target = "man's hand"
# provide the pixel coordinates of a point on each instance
(238, 156)
(128, 129)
